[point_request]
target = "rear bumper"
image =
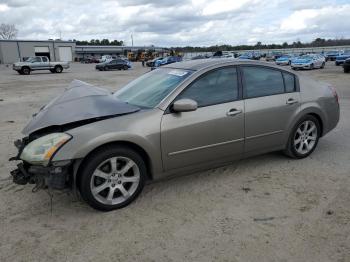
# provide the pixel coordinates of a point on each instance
(301, 66)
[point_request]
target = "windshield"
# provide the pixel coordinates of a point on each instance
(150, 89)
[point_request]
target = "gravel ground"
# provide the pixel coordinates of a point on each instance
(266, 208)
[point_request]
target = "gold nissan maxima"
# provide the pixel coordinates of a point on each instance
(179, 118)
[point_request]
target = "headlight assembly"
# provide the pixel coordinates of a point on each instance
(41, 150)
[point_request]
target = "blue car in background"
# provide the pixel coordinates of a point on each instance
(167, 60)
(331, 55)
(340, 59)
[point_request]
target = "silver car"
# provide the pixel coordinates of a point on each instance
(177, 119)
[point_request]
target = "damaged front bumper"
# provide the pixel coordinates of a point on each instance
(54, 176)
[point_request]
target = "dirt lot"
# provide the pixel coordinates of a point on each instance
(266, 208)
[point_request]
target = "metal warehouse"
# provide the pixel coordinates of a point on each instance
(17, 50)
(57, 50)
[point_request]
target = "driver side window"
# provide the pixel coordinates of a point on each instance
(216, 87)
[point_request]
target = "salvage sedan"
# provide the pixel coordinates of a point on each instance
(177, 119)
(308, 62)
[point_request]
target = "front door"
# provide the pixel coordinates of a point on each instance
(213, 132)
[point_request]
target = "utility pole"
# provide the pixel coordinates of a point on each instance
(132, 40)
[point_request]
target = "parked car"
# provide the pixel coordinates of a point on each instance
(346, 66)
(273, 56)
(340, 59)
(179, 118)
(331, 55)
(250, 56)
(285, 59)
(151, 63)
(113, 64)
(167, 60)
(310, 61)
(39, 63)
(105, 58)
(90, 60)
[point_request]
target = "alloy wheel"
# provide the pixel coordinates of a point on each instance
(305, 137)
(115, 180)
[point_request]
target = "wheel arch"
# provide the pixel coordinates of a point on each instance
(128, 144)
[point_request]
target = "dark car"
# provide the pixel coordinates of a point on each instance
(113, 64)
(331, 55)
(340, 59)
(89, 60)
(346, 66)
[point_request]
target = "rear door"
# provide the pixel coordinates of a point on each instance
(213, 132)
(271, 101)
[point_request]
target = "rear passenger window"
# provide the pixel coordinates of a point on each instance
(289, 81)
(260, 81)
(44, 59)
(216, 87)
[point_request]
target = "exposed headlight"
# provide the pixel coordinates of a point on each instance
(41, 150)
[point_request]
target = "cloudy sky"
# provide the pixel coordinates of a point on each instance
(179, 22)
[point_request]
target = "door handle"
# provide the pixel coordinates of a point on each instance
(291, 101)
(233, 112)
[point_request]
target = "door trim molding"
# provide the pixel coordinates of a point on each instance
(265, 134)
(205, 147)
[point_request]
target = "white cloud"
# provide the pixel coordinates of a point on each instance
(3, 7)
(179, 23)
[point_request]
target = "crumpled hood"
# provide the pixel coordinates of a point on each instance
(80, 101)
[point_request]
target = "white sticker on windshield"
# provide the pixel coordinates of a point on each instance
(177, 72)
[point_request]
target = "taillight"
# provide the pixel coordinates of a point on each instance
(334, 92)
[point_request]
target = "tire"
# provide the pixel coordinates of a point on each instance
(58, 69)
(300, 149)
(311, 66)
(346, 70)
(98, 174)
(25, 70)
(125, 67)
(323, 65)
(105, 68)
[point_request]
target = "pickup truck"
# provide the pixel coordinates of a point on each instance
(39, 63)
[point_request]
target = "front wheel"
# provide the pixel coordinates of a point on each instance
(112, 178)
(323, 65)
(125, 67)
(25, 71)
(304, 137)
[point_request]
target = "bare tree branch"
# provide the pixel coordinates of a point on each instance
(8, 31)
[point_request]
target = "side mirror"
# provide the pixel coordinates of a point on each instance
(185, 105)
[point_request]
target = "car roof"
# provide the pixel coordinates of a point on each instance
(200, 64)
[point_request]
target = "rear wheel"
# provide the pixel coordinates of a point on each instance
(304, 137)
(346, 70)
(58, 69)
(125, 67)
(112, 178)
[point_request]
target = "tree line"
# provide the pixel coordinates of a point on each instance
(318, 42)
